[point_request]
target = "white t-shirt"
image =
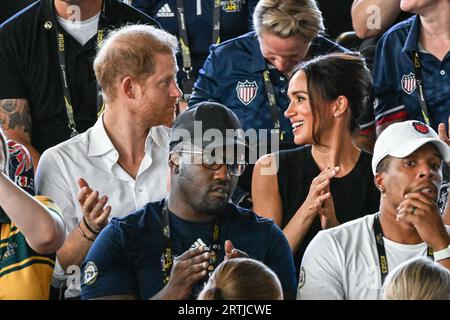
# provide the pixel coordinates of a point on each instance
(92, 156)
(342, 263)
(81, 31)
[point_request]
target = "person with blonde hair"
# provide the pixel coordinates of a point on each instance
(242, 279)
(250, 74)
(418, 279)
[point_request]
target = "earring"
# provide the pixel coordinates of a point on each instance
(175, 169)
(382, 188)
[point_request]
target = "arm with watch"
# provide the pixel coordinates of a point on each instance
(95, 218)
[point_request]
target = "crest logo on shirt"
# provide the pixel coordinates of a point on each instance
(246, 91)
(409, 83)
(90, 273)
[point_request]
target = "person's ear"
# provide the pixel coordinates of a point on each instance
(379, 182)
(130, 87)
(339, 106)
(174, 162)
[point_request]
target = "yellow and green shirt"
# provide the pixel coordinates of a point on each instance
(24, 273)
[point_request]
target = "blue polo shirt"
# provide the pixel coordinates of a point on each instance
(126, 258)
(233, 75)
(394, 81)
(235, 20)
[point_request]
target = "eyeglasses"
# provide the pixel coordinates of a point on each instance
(208, 162)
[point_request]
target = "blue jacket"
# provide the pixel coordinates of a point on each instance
(394, 81)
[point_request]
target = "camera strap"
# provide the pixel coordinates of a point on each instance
(168, 254)
(188, 84)
(419, 81)
(274, 108)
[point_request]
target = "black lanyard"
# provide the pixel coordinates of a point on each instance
(168, 254)
(419, 80)
(62, 66)
(382, 258)
(272, 103)
(184, 41)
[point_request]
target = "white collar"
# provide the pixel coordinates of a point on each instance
(100, 144)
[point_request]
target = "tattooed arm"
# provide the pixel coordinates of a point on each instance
(15, 119)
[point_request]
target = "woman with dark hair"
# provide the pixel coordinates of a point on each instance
(327, 181)
(242, 279)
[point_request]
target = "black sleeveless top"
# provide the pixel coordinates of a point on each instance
(354, 195)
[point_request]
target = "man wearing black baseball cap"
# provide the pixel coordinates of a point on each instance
(167, 249)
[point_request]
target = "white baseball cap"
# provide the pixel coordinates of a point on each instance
(403, 138)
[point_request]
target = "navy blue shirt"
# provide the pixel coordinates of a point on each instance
(235, 20)
(29, 69)
(126, 257)
(239, 62)
(394, 81)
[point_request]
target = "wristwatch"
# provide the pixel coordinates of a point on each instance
(442, 254)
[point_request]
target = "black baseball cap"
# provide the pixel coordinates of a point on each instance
(207, 125)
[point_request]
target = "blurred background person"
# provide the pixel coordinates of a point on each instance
(242, 279)
(198, 25)
(418, 279)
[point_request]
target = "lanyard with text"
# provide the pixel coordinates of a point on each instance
(382, 258)
(419, 81)
(63, 69)
(272, 103)
(168, 254)
(184, 41)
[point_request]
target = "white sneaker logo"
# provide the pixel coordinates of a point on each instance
(165, 12)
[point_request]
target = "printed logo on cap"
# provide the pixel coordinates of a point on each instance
(420, 127)
(246, 91)
(409, 83)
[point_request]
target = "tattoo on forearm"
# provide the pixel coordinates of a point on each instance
(15, 114)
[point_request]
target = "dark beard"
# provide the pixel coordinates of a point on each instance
(211, 208)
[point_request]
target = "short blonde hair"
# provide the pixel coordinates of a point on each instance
(418, 279)
(287, 18)
(130, 50)
(242, 279)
